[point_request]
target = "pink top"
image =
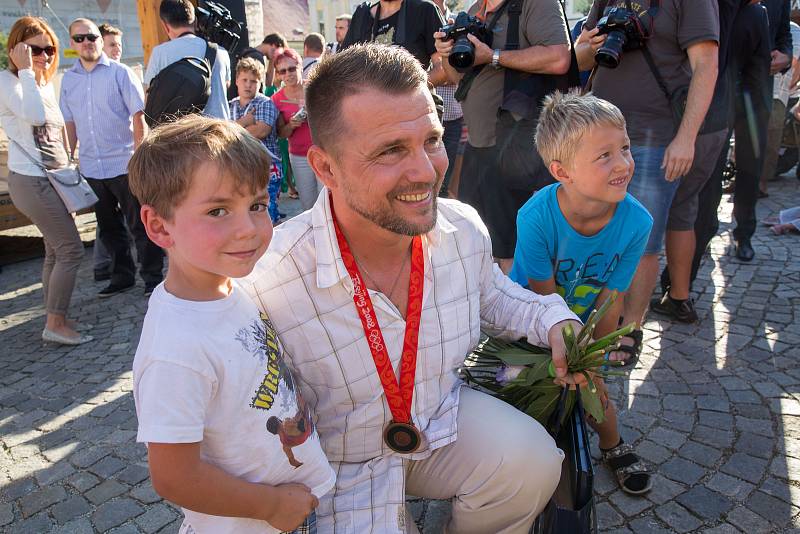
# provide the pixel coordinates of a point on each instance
(300, 140)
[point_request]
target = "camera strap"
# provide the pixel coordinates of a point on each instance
(466, 80)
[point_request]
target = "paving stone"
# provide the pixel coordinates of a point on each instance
(749, 521)
(18, 488)
(108, 489)
(745, 467)
(34, 525)
(716, 403)
(127, 528)
(71, 508)
(133, 474)
(756, 426)
(652, 452)
(664, 489)
(700, 454)
(669, 438)
(754, 445)
(77, 526)
(6, 513)
(648, 525)
(677, 517)
(156, 517)
(147, 495)
(114, 513)
(734, 488)
(607, 517)
(722, 421)
(710, 436)
(681, 470)
(770, 508)
(705, 503)
(39, 500)
(106, 467)
(83, 481)
(628, 504)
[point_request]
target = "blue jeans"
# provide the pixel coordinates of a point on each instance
(273, 187)
(650, 187)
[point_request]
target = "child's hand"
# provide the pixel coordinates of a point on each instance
(294, 502)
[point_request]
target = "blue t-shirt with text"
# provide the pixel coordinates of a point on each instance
(547, 246)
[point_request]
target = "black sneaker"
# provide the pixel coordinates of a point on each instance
(149, 287)
(680, 310)
(113, 289)
(102, 276)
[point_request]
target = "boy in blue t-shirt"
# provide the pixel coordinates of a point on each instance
(583, 236)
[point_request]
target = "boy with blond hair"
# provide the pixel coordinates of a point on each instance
(209, 374)
(583, 236)
(258, 115)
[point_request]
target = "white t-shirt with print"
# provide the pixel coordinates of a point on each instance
(213, 372)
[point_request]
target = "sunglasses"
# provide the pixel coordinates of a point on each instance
(38, 50)
(287, 69)
(78, 38)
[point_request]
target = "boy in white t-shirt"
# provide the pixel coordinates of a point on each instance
(230, 439)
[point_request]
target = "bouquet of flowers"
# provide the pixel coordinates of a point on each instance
(523, 374)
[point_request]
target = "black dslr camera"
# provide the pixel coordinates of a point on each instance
(625, 32)
(216, 24)
(463, 55)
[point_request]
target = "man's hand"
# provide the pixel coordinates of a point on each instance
(483, 54)
(293, 504)
(780, 61)
(796, 112)
(678, 157)
(559, 351)
(443, 47)
(590, 36)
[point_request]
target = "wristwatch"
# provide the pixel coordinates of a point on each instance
(496, 58)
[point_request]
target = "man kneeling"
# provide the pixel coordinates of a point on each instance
(381, 278)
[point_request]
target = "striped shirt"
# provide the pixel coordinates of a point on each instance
(101, 103)
(302, 283)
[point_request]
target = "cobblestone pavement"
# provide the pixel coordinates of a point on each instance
(713, 407)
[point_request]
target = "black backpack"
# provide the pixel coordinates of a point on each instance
(180, 88)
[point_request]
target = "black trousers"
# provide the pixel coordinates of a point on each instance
(116, 201)
(749, 161)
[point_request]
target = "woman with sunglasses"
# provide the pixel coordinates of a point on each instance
(293, 125)
(30, 116)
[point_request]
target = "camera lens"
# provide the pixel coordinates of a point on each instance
(463, 54)
(610, 53)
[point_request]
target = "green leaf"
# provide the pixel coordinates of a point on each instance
(592, 405)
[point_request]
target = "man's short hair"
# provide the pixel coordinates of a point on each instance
(565, 117)
(249, 64)
(107, 29)
(79, 20)
(389, 69)
(177, 13)
(275, 39)
(314, 42)
(161, 170)
(345, 16)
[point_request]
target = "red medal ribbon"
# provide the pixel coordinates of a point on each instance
(398, 396)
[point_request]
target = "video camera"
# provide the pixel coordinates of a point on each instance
(463, 55)
(625, 32)
(215, 24)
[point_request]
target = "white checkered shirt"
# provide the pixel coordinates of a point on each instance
(303, 285)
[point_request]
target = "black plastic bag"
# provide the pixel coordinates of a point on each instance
(571, 509)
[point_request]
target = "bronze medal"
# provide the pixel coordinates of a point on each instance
(402, 437)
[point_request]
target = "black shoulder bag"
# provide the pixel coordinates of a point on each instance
(518, 162)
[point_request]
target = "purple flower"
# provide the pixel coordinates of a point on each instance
(507, 373)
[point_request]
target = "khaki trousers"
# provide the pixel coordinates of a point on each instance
(499, 474)
(36, 198)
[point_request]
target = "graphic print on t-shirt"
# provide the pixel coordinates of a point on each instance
(580, 287)
(292, 423)
(384, 31)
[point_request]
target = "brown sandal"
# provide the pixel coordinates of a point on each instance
(632, 474)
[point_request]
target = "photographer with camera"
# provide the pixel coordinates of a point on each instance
(658, 63)
(506, 56)
(185, 66)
